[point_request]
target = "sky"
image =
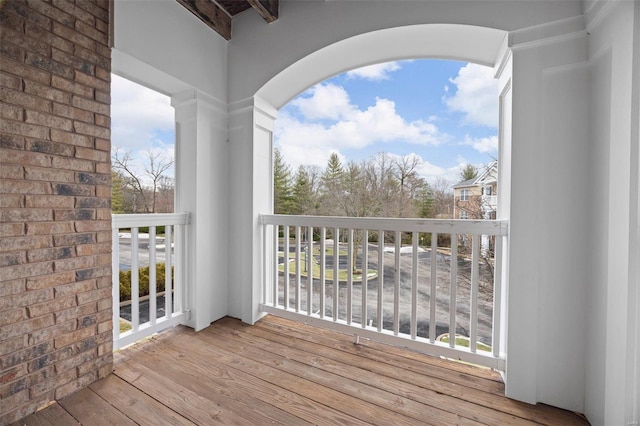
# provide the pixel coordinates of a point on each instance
(444, 112)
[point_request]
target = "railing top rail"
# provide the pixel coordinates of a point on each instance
(152, 219)
(453, 226)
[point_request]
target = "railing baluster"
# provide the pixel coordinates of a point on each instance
(286, 267)
(475, 277)
(396, 286)
(336, 272)
(497, 296)
(453, 290)
(365, 269)
(152, 275)
(434, 284)
(179, 287)
(168, 262)
(380, 307)
(323, 265)
(115, 282)
(276, 279)
(414, 286)
(350, 261)
(309, 270)
(135, 281)
(298, 269)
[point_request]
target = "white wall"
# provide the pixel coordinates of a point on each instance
(163, 46)
(613, 283)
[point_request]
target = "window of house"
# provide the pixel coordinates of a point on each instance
(464, 195)
(464, 214)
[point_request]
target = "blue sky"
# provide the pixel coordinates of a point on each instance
(444, 112)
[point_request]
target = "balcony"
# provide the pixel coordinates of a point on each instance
(284, 372)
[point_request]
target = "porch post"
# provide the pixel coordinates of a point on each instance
(251, 124)
(201, 189)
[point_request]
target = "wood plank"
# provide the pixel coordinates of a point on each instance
(268, 9)
(53, 415)
(135, 404)
(478, 378)
(211, 14)
(392, 408)
(89, 409)
(253, 392)
(275, 374)
(453, 399)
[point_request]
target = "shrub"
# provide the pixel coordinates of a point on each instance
(143, 281)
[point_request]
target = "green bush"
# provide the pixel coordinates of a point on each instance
(143, 281)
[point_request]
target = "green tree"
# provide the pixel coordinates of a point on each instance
(303, 193)
(282, 191)
(468, 172)
(333, 179)
(117, 196)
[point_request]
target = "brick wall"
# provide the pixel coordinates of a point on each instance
(55, 238)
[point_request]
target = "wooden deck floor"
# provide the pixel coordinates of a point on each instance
(282, 372)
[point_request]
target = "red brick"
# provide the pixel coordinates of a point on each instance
(10, 142)
(76, 312)
(51, 201)
(73, 61)
(11, 112)
(84, 214)
(48, 120)
(103, 168)
(52, 280)
(51, 253)
(91, 249)
(25, 215)
(49, 333)
(95, 9)
(95, 364)
(12, 258)
(24, 187)
(106, 326)
(73, 239)
(93, 58)
(96, 83)
(94, 295)
(103, 259)
(76, 385)
(10, 50)
(55, 381)
(103, 191)
(25, 326)
(24, 271)
(12, 373)
(70, 138)
(25, 158)
(73, 113)
(24, 129)
(105, 121)
(26, 243)
(72, 86)
(103, 97)
(77, 12)
(76, 360)
(37, 32)
(27, 43)
(29, 73)
(71, 35)
(48, 147)
(102, 26)
(48, 64)
(10, 81)
(92, 154)
(74, 287)
(49, 175)
(13, 347)
(94, 179)
(73, 263)
(27, 100)
(11, 20)
(51, 306)
(103, 236)
(12, 201)
(11, 230)
(73, 337)
(11, 171)
(53, 13)
(91, 130)
(92, 106)
(16, 399)
(49, 228)
(73, 164)
(93, 225)
(73, 189)
(104, 51)
(12, 316)
(92, 203)
(91, 32)
(105, 305)
(46, 92)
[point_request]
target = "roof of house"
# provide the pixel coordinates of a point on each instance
(481, 178)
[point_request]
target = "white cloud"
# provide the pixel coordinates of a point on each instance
(374, 72)
(486, 145)
(476, 95)
(350, 127)
(139, 115)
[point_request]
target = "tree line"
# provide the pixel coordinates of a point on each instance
(381, 186)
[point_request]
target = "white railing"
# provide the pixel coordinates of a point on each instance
(141, 315)
(412, 291)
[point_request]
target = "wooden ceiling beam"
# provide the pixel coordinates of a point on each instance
(211, 14)
(268, 9)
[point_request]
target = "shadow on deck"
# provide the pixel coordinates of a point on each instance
(283, 372)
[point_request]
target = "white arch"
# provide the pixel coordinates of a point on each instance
(445, 41)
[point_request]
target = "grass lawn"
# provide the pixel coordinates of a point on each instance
(464, 342)
(342, 273)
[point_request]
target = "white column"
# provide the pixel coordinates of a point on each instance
(202, 181)
(251, 125)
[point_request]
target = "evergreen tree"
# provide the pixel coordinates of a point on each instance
(303, 197)
(117, 197)
(282, 193)
(468, 172)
